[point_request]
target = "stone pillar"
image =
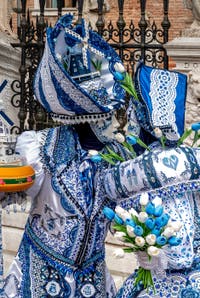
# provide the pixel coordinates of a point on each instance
(185, 52)
(9, 70)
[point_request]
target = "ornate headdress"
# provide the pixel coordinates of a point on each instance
(161, 104)
(74, 81)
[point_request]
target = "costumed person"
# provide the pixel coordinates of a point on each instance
(62, 251)
(170, 173)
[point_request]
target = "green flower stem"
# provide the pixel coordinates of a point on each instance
(130, 149)
(108, 158)
(196, 137)
(140, 142)
(128, 85)
(162, 140)
(186, 134)
(144, 276)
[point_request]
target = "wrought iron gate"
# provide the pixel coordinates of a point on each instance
(132, 43)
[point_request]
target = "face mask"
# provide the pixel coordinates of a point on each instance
(106, 129)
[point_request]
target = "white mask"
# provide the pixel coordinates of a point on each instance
(105, 130)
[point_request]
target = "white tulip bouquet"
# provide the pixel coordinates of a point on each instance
(147, 232)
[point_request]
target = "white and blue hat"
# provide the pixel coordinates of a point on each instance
(74, 81)
(162, 97)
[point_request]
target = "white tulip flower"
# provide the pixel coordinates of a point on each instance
(144, 199)
(130, 231)
(121, 212)
(133, 212)
(168, 232)
(119, 137)
(139, 241)
(119, 236)
(142, 217)
(150, 239)
(93, 152)
(119, 67)
(158, 132)
(153, 251)
(118, 253)
(176, 225)
(157, 201)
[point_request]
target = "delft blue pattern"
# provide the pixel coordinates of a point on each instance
(177, 173)
(154, 87)
(68, 95)
(160, 177)
(177, 283)
(62, 251)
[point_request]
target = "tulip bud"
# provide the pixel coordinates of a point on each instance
(131, 140)
(175, 225)
(168, 232)
(119, 67)
(174, 241)
(158, 132)
(130, 231)
(118, 253)
(118, 76)
(157, 201)
(161, 240)
(158, 210)
(153, 251)
(151, 239)
(93, 152)
(144, 199)
(119, 236)
(118, 220)
(156, 231)
(162, 220)
(133, 212)
(130, 222)
(122, 213)
(142, 217)
(139, 241)
(120, 137)
(150, 223)
(138, 231)
(195, 126)
(96, 158)
(150, 208)
(109, 213)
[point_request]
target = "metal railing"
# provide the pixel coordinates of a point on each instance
(133, 42)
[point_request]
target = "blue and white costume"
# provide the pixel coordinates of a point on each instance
(173, 174)
(62, 250)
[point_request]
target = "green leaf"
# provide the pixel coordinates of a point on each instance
(196, 137)
(107, 158)
(114, 154)
(184, 136)
(119, 228)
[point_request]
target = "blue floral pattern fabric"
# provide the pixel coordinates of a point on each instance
(172, 174)
(62, 250)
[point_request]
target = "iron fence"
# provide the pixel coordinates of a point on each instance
(132, 42)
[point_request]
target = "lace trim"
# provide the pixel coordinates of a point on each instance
(163, 95)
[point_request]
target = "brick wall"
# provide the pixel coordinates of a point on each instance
(179, 16)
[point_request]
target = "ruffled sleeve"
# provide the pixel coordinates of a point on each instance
(28, 146)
